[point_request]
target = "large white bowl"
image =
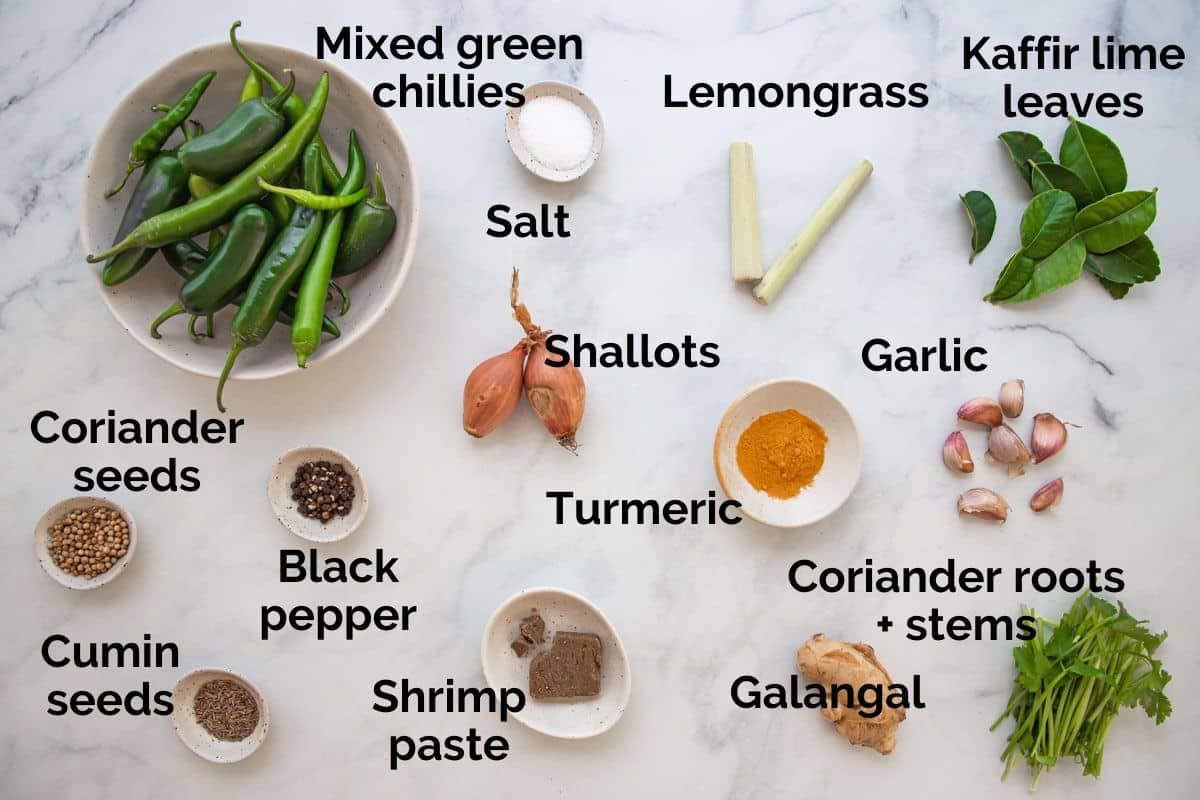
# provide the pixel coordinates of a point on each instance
(139, 300)
(843, 453)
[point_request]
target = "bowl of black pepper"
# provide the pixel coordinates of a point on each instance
(85, 542)
(317, 493)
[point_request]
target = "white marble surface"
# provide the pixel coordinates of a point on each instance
(696, 606)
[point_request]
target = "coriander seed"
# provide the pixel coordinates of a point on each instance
(88, 542)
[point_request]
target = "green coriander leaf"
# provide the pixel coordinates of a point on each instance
(1088, 671)
(1061, 641)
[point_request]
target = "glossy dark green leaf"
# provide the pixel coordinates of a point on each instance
(1095, 158)
(1116, 290)
(1056, 270)
(1116, 220)
(1022, 148)
(981, 213)
(1013, 277)
(1135, 262)
(1055, 176)
(1047, 222)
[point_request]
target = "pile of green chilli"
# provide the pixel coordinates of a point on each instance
(281, 219)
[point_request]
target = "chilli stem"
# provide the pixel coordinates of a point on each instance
(233, 354)
(174, 311)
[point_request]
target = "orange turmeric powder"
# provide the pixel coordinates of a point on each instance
(781, 453)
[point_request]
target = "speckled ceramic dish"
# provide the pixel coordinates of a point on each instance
(41, 542)
(562, 611)
(196, 737)
(576, 96)
(838, 475)
(279, 492)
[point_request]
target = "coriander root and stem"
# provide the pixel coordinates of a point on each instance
(494, 387)
(1073, 678)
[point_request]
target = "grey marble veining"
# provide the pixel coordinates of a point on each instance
(696, 607)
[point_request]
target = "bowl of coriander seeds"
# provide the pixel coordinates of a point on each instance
(85, 542)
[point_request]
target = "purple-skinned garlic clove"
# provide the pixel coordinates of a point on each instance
(981, 411)
(983, 503)
(1048, 496)
(1012, 398)
(1049, 436)
(956, 454)
(1006, 446)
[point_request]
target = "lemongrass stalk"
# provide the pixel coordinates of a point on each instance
(744, 248)
(799, 248)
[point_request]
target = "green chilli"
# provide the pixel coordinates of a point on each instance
(209, 212)
(150, 142)
(319, 202)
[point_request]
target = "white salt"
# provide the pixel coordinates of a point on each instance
(555, 131)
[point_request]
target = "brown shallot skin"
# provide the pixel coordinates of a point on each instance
(492, 391)
(556, 394)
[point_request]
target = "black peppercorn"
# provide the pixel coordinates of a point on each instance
(323, 490)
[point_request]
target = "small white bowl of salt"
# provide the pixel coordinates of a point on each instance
(557, 134)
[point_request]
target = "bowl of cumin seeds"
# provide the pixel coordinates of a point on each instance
(220, 715)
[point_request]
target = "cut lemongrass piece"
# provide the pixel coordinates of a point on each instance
(744, 248)
(807, 239)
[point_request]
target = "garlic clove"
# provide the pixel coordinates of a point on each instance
(982, 411)
(1012, 398)
(983, 503)
(1049, 436)
(956, 454)
(1048, 496)
(1006, 446)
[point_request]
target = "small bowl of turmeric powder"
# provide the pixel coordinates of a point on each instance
(789, 452)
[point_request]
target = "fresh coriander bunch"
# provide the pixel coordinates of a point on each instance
(1073, 678)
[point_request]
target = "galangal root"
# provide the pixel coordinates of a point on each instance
(832, 663)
